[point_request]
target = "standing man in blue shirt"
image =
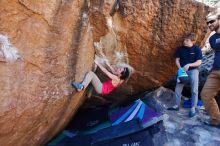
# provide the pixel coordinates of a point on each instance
(212, 84)
(188, 58)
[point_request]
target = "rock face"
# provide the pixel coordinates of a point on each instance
(145, 34)
(45, 44)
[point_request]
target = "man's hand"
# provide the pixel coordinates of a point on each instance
(186, 67)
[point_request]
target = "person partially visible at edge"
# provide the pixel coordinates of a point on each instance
(116, 78)
(212, 84)
(188, 57)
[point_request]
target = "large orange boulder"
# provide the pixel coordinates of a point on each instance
(146, 34)
(43, 47)
(45, 44)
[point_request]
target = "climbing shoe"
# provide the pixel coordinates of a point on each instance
(182, 76)
(77, 86)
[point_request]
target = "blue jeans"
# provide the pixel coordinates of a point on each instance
(194, 84)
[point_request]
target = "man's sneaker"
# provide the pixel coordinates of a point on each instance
(209, 123)
(77, 86)
(192, 114)
(174, 108)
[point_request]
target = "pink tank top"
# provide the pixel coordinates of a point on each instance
(107, 87)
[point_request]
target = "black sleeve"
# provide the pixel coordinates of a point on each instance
(199, 53)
